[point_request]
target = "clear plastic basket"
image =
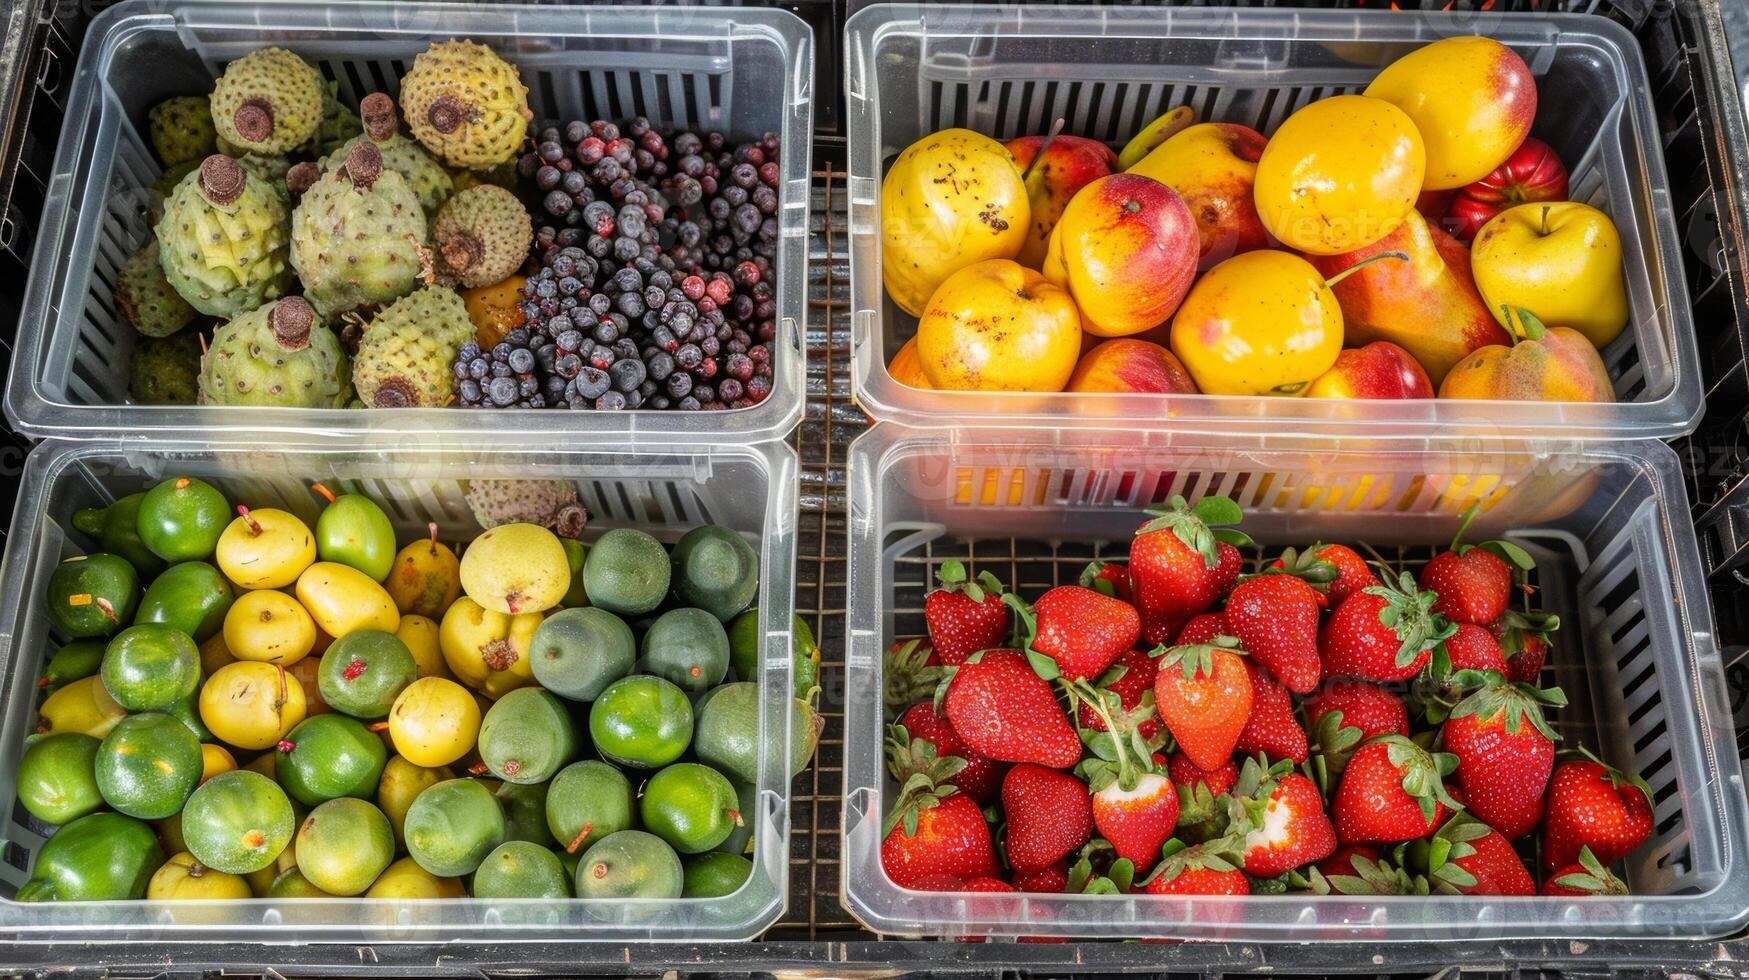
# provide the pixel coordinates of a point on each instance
(743, 72)
(749, 489)
(1616, 559)
(1009, 71)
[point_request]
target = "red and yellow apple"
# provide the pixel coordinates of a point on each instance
(1562, 261)
(1213, 166)
(951, 199)
(999, 326)
(1126, 364)
(1069, 164)
(1533, 174)
(1472, 100)
(1339, 174)
(1546, 364)
(1380, 369)
(1126, 249)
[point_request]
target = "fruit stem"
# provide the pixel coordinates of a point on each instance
(1544, 231)
(285, 745)
(324, 491)
(1470, 513)
(477, 769)
(1127, 777)
(254, 525)
(1050, 137)
(377, 726)
(431, 529)
(1363, 263)
(735, 815)
(577, 841)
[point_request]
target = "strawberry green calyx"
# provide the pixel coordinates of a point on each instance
(1199, 526)
(1248, 800)
(1521, 625)
(1617, 778)
(922, 775)
(1423, 772)
(1176, 857)
(954, 578)
(1372, 876)
(1091, 578)
(908, 676)
(1595, 879)
(1025, 632)
(1409, 613)
(1120, 754)
(1453, 842)
(1508, 552)
(1305, 566)
(1196, 658)
(1087, 878)
(1520, 702)
(1332, 744)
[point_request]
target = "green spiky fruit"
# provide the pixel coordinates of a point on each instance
(404, 354)
(268, 101)
(222, 239)
(358, 235)
(466, 104)
(339, 124)
(482, 235)
(181, 129)
(145, 298)
(271, 169)
(404, 156)
(277, 355)
(160, 190)
(165, 370)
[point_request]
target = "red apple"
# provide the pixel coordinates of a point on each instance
(1126, 249)
(1069, 164)
(1381, 369)
(1533, 173)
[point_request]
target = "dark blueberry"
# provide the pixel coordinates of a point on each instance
(631, 304)
(600, 304)
(557, 202)
(547, 178)
(735, 195)
(625, 249)
(501, 370)
(747, 219)
(606, 332)
(591, 382)
(469, 391)
(479, 368)
(627, 374)
(573, 183)
(568, 366)
(569, 340)
(729, 389)
(576, 131)
(522, 360)
(502, 391)
(611, 401)
(661, 365)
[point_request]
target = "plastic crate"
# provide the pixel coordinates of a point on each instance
(1616, 559)
(743, 72)
(1010, 71)
(749, 489)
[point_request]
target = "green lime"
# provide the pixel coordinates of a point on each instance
(291, 883)
(353, 530)
(93, 595)
(452, 826)
(343, 845)
(690, 806)
(330, 756)
(238, 822)
(576, 653)
(575, 554)
(526, 736)
(587, 801)
(740, 840)
(181, 519)
(629, 864)
(193, 596)
(525, 811)
(57, 778)
(716, 570)
(715, 875)
(150, 667)
(362, 672)
(519, 869)
(728, 732)
(100, 857)
(74, 662)
(117, 530)
(626, 572)
(400, 785)
(641, 721)
(688, 648)
(148, 765)
(187, 711)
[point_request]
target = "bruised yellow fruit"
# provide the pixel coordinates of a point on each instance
(425, 578)
(265, 549)
(342, 599)
(433, 722)
(401, 782)
(998, 326)
(496, 310)
(407, 880)
(421, 636)
(269, 626)
(251, 705)
(488, 650)
(951, 199)
(215, 759)
(82, 706)
(183, 879)
(516, 568)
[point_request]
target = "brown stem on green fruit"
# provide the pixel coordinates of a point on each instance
(253, 525)
(377, 726)
(1050, 137)
(324, 491)
(577, 841)
(1363, 263)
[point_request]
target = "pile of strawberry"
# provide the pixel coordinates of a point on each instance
(1171, 726)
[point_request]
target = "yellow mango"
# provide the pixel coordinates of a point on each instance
(342, 599)
(952, 199)
(488, 650)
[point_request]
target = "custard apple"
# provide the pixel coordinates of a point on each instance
(358, 235)
(268, 101)
(145, 298)
(404, 156)
(165, 370)
(280, 355)
(339, 124)
(482, 235)
(181, 129)
(405, 352)
(466, 104)
(550, 503)
(222, 239)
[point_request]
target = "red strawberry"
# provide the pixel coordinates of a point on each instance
(1179, 567)
(1585, 877)
(1392, 790)
(1352, 571)
(1050, 880)
(1271, 727)
(965, 615)
(935, 830)
(1208, 868)
(1202, 628)
(1343, 714)
(980, 776)
(1203, 694)
(1471, 647)
(1131, 678)
(1135, 807)
(1592, 806)
(1468, 857)
(1082, 630)
(1473, 582)
(1049, 815)
(911, 672)
(1382, 633)
(1215, 781)
(1110, 578)
(1198, 794)
(1505, 751)
(1526, 663)
(1524, 642)
(1281, 815)
(1356, 870)
(1275, 618)
(1002, 710)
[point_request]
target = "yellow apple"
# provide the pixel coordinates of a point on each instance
(1560, 260)
(1472, 99)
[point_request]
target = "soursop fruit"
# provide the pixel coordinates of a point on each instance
(268, 101)
(160, 190)
(405, 352)
(145, 299)
(403, 155)
(279, 355)
(339, 124)
(181, 129)
(504, 175)
(466, 104)
(222, 239)
(165, 370)
(358, 235)
(482, 236)
(550, 503)
(271, 169)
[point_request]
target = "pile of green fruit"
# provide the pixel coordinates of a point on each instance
(242, 706)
